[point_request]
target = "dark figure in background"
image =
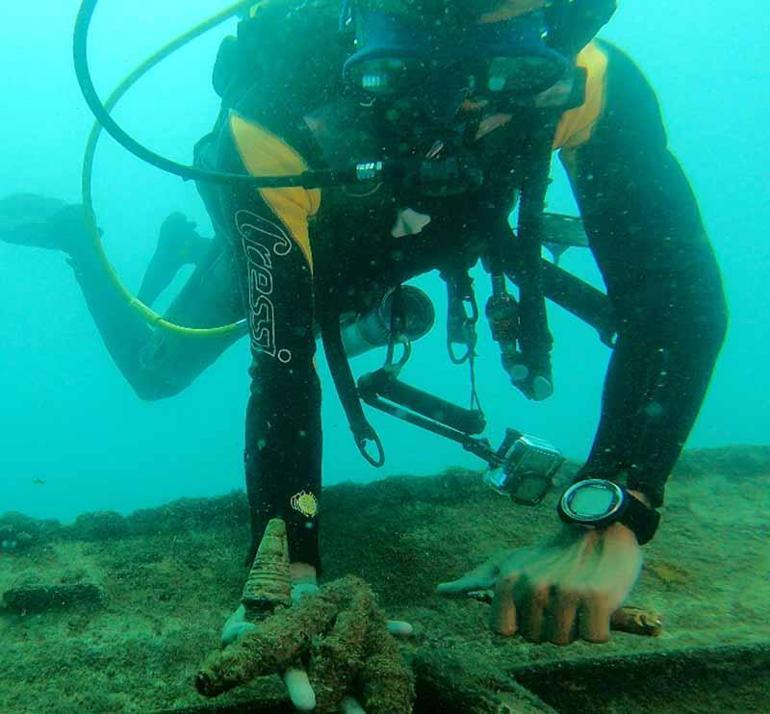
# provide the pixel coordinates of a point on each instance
(157, 364)
(301, 255)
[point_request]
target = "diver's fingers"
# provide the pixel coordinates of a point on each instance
(481, 578)
(503, 613)
(464, 585)
(399, 628)
(233, 633)
(594, 615)
(300, 690)
(563, 617)
(236, 627)
(532, 607)
(351, 705)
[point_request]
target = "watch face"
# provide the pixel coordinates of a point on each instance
(592, 500)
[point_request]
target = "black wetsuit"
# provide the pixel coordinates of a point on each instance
(302, 254)
(648, 238)
(295, 252)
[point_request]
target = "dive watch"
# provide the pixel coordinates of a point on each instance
(598, 503)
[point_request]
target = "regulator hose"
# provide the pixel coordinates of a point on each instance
(102, 111)
(104, 121)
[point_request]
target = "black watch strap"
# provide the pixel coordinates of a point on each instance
(640, 518)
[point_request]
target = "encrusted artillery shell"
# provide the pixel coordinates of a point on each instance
(637, 621)
(32, 597)
(269, 581)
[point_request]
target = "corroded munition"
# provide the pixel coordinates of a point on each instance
(637, 621)
(343, 633)
(269, 582)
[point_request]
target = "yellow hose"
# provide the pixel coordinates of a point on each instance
(88, 168)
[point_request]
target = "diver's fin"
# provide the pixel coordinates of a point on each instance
(34, 235)
(24, 219)
(178, 245)
(41, 222)
(21, 208)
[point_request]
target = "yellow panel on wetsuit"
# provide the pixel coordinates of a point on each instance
(265, 154)
(577, 125)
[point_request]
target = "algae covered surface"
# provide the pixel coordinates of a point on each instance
(116, 614)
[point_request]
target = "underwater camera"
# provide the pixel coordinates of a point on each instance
(525, 468)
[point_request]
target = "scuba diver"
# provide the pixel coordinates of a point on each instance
(451, 110)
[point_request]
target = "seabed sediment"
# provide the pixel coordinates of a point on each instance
(116, 613)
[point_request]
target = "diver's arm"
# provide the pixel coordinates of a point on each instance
(648, 238)
(283, 421)
(270, 231)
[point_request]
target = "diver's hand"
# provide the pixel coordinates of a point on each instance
(566, 589)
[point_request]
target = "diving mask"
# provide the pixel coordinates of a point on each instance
(400, 54)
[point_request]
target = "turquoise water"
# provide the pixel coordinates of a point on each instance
(68, 418)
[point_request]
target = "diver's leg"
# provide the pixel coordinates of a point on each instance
(156, 362)
(210, 298)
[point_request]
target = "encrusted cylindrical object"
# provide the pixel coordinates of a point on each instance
(269, 581)
(637, 621)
